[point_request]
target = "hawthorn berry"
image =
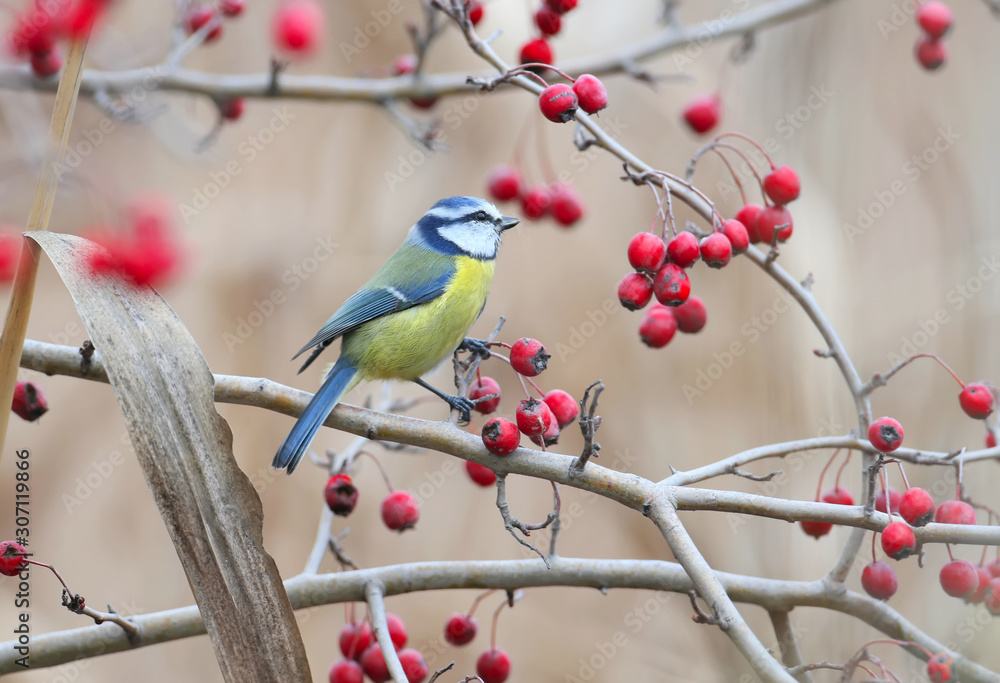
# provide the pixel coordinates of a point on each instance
(879, 580)
(691, 315)
(533, 417)
(538, 51)
(931, 53)
(635, 290)
(501, 436)
(397, 631)
(771, 219)
(232, 8)
(29, 403)
(894, 500)
(504, 183)
(400, 511)
(939, 668)
(146, 256)
(550, 436)
(373, 663)
(916, 506)
(199, 17)
(483, 476)
(567, 205)
(561, 6)
(671, 285)
(816, 529)
(558, 103)
(748, 217)
(898, 540)
(885, 434)
(47, 64)
(485, 386)
(475, 11)
(460, 629)
(646, 252)
(298, 26)
(346, 671)
(959, 578)
(528, 357)
(955, 512)
(991, 440)
(994, 567)
(782, 185)
(683, 249)
(12, 556)
(355, 638)
(591, 93)
(404, 64)
(702, 113)
(232, 109)
(548, 21)
(934, 18)
(716, 250)
(564, 407)
(341, 495)
(493, 666)
(535, 202)
(10, 247)
(992, 597)
(838, 496)
(736, 233)
(414, 665)
(976, 400)
(984, 577)
(658, 327)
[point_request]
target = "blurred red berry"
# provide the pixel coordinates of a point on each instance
(413, 662)
(736, 233)
(47, 64)
(691, 315)
(341, 494)
(528, 357)
(460, 629)
(702, 113)
(635, 290)
(80, 19)
(959, 578)
(658, 327)
(773, 219)
(535, 202)
(548, 21)
(955, 512)
(894, 499)
(879, 580)
(916, 506)
(838, 496)
(475, 11)
(355, 638)
(931, 53)
(537, 51)
(782, 185)
(646, 252)
(716, 250)
(200, 16)
(29, 403)
(566, 206)
(493, 666)
(561, 6)
(400, 511)
(976, 400)
(748, 217)
(346, 671)
(10, 249)
(984, 577)
(232, 109)
(934, 18)
(591, 93)
(816, 529)
(504, 183)
(397, 631)
(298, 26)
(232, 8)
(483, 476)
(373, 663)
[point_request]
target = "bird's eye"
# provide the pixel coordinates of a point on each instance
(482, 216)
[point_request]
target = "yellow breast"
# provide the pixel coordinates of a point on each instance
(407, 344)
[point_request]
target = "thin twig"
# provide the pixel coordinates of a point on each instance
(589, 424)
(374, 596)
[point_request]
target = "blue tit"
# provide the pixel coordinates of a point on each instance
(412, 314)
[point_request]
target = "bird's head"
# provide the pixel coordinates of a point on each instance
(462, 226)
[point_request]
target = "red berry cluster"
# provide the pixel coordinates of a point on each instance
(363, 656)
(548, 21)
(147, 254)
(29, 403)
(37, 31)
(559, 200)
(934, 19)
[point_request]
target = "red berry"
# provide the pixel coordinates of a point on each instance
(460, 629)
(558, 103)
(29, 403)
(564, 407)
(658, 327)
(716, 250)
(10, 248)
(991, 440)
(493, 666)
(232, 109)
(47, 64)
(475, 11)
(483, 476)
(782, 185)
(397, 631)
(528, 357)
(959, 578)
(298, 26)
(355, 639)
(771, 219)
(591, 93)
(646, 252)
(501, 436)
(535, 202)
(485, 386)
(341, 495)
(551, 434)
(702, 113)
(635, 290)
(885, 434)
(671, 285)
(939, 668)
(548, 21)
(955, 512)
(505, 183)
(748, 217)
(934, 18)
(404, 64)
(879, 580)
(374, 664)
(537, 50)
(984, 577)
(414, 665)
(931, 53)
(423, 102)
(736, 233)
(566, 206)
(994, 567)
(898, 540)
(400, 511)
(816, 529)
(992, 597)
(916, 506)
(201, 16)
(12, 556)
(838, 496)
(533, 417)
(976, 400)
(231, 8)
(346, 671)
(683, 249)
(894, 500)
(561, 6)
(691, 315)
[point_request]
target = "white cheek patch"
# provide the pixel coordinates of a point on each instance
(475, 239)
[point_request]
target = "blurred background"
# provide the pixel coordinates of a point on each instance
(322, 198)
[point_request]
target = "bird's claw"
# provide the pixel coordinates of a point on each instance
(477, 347)
(464, 406)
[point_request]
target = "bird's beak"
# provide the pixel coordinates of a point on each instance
(508, 222)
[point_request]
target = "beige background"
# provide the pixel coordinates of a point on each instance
(324, 178)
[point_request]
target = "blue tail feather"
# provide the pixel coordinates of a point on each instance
(314, 416)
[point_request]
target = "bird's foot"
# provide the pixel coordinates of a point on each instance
(477, 347)
(463, 405)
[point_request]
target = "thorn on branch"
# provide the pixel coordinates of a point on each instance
(589, 424)
(808, 282)
(701, 616)
(273, 90)
(824, 353)
(86, 356)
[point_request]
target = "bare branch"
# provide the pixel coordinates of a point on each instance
(374, 596)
